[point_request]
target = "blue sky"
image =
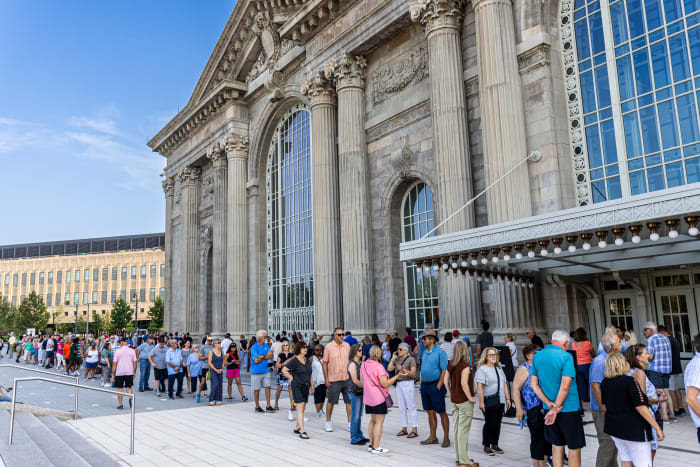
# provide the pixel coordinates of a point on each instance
(84, 85)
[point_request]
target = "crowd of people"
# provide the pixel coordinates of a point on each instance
(633, 388)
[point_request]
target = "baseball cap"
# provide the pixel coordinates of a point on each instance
(455, 332)
(124, 339)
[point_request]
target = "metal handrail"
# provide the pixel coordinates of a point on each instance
(77, 380)
(77, 387)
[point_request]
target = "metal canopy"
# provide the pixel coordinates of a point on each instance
(657, 213)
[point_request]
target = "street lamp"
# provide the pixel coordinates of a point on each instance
(136, 309)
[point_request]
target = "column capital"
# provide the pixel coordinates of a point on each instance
(320, 86)
(168, 185)
(190, 176)
(236, 146)
(217, 155)
(438, 14)
(477, 4)
(350, 72)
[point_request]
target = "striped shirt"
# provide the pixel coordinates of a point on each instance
(660, 347)
(692, 378)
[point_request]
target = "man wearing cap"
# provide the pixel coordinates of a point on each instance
(432, 390)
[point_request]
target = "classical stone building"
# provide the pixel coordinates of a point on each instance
(324, 133)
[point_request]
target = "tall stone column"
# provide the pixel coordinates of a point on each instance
(237, 235)
(460, 302)
(503, 132)
(219, 252)
(358, 284)
(169, 190)
(320, 88)
(191, 180)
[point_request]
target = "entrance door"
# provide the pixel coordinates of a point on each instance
(676, 309)
(619, 311)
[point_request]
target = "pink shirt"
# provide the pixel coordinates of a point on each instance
(373, 392)
(124, 359)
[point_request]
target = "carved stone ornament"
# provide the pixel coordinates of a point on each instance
(402, 159)
(168, 185)
(206, 237)
(190, 175)
(391, 79)
(271, 46)
(321, 85)
(435, 14)
(217, 154)
(207, 188)
(236, 146)
(350, 71)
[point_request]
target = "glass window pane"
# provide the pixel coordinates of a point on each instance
(662, 75)
(614, 188)
(624, 73)
(583, 48)
(597, 38)
(638, 183)
(595, 157)
(603, 86)
(636, 21)
(672, 8)
(692, 170)
(634, 144)
(650, 135)
(642, 73)
(691, 6)
(674, 174)
(694, 39)
(599, 194)
(688, 118)
(667, 121)
(607, 130)
(619, 22)
(656, 178)
(653, 12)
(679, 57)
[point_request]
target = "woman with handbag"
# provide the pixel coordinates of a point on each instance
(355, 390)
(459, 381)
(405, 389)
(375, 382)
(493, 393)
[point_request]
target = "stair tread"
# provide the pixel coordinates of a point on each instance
(51, 442)
(85, 447)
(23, 446)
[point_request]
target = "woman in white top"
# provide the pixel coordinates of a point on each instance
(319, 380)
(510, 343)
(92, 356)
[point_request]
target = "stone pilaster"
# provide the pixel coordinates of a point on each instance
(219, 310)
(503, 134)
(358, 284)
(320, 89)
(169, 190)
(237, 235)
(191, 180)
(460, 302)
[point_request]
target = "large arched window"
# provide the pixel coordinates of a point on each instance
(290, 260)
(420, 285)
(632, 75)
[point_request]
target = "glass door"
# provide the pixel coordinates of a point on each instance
(676, 310)
(619, 312)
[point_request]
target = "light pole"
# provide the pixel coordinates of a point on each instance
(87, 326)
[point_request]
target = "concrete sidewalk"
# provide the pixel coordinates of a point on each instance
(233, 435)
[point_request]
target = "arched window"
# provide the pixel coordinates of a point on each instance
(290, 260)
(632, 71)
(420, 285)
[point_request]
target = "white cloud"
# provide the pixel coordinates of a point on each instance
(107, 126)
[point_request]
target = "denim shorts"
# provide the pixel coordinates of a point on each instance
(433, 398)
(659, 380)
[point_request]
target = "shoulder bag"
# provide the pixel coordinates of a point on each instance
(494, 400)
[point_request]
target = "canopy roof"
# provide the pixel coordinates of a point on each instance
(645, 231)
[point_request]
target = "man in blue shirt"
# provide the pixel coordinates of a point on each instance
(432, 389)
(142, 352)
(553, 379)
(173, 358)
(260, 376)
(607, 451)
(349, 339)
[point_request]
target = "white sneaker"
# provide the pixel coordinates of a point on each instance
(329, 426)
(290, 416)
(370, 448)
(320, 414)
(306, 419)
(347, 428)
(379, 451)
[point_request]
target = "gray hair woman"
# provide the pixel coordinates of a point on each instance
(405, 388)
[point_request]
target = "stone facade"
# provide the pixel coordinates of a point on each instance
(448, 92)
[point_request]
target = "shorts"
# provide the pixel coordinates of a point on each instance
(282, 381)
(699, 435)
(261, 380)
(90, 364)
(338, 387)
(380, 409)
(659, 380)
(433, 398)
(320, 394)
(636, 452)
(234, 373)
(675, 382)
(123, 381)
(567, 430)
(539, 447)
(300, 393)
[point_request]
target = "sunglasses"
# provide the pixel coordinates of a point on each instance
(339, 335)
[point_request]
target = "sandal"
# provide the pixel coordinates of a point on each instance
(401, 433)
(297, 431)
(303, 435)
(412, 434)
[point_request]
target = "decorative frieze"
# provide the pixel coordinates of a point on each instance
(534, 58)
(400, 120)
(391, 79)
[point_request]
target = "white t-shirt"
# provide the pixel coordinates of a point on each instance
(225, 344)
(276, 349)
(692, 378)
(449, 349)
(317, 372)
(92, 356)
(513, 353)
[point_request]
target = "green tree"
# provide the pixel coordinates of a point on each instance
(156, 312)
(97, 324)
(32, 314)
(81, 326)
(8, 315)
(120, 315)
(64, 328)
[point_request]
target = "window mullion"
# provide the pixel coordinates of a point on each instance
(611, 64)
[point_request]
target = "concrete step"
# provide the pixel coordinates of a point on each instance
(60, 451)
(23, 450)
(85, 448)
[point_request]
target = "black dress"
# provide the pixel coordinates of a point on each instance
(301, 379)
(621, 395)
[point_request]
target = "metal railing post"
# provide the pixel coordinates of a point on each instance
(12, 412)
(133, 424)
(75, 414)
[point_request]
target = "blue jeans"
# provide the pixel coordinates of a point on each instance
(356, 418)
(145, 372)
(582, 381)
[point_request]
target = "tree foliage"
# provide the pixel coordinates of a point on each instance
(97, 324)
(8, 315)
(32, 314)
(120, 315)
(155, 313)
